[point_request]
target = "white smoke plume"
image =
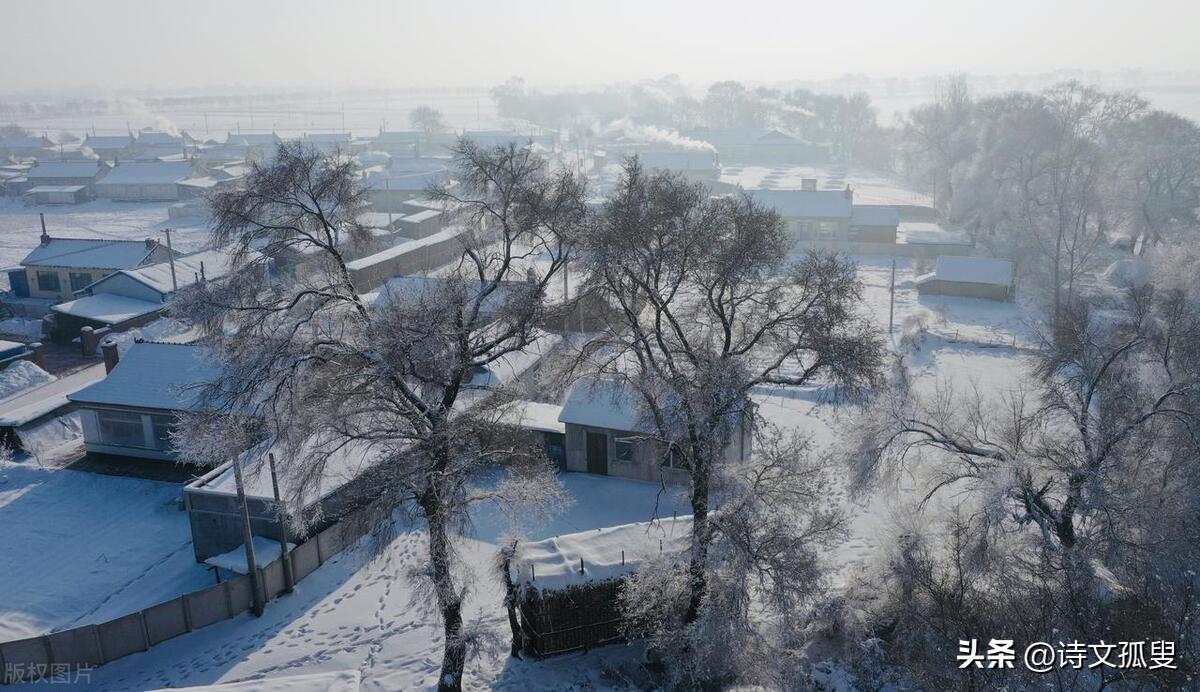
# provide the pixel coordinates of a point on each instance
(141, 116)
(651, 133)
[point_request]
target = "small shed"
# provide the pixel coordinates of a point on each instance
(152, 181)
(970, 277)
(567, 588)
(56, 194)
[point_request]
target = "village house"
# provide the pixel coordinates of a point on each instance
(110, 147)
(24, 147)
(697, 165)
(329, 142)
(59, 267)
(56, 194)
(144, 181)
(67, 174)
(830, 217)
(132, 297)
(606, 435)
(398, 143)
(133, 410)
(387, 191)
(970, 277)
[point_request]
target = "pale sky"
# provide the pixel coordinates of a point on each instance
(114, 44)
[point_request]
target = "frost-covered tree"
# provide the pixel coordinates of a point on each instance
(428, 120)
(324, 370)
(711, 305)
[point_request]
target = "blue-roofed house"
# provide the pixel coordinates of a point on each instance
(133, 410)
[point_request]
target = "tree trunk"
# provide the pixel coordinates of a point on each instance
(700, 539)
(449, 599)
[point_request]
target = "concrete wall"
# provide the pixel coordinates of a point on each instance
(418, 260)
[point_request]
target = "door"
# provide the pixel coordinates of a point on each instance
(597, 453)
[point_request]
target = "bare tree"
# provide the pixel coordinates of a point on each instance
(396, 380)
(428, 120)
(710, 307)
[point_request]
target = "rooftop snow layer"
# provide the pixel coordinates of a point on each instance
(88, 253)
(148, 173)
(602, 403)
(153, 375)
(610, 552)
(216, 265)
(973, 270)
(108, 308)
(532, 415)
(64, 169)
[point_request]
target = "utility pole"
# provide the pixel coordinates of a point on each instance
(289, 580)
(892, 297)
(171, 259)
(248, 536)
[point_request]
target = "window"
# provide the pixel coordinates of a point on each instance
(625, 449)
(121, 429)
(80, 280)
(163, 426)
(48, 281)
(827, 229)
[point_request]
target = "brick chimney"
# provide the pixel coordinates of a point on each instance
(108, 348)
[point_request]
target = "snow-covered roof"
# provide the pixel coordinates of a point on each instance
(54, 188)
(155, 376)
(108, 141)
(607, 553)
(89, 253)
(65, 169)
(153, 138)
(405, 136)
(874, 216)
(422, 216)
(806, 204)
(108, 308)
(342, 464)
(148, 173)
(602, 403)
(532, 415)
(211, 264)
(972, 270)
(926, 233)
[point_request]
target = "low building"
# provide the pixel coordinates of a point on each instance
(399, 143)
(156, 181)
(421, 224)
(970, 277)
(697, 165)
(873, 224)
(606, 434)
(755, 145)
(330, 142)
(134, 409)
(830, 218)
(59, 267)
(24, 147)
(132, 297)
(56, 194)
(387, 191)
(67, 173)
(110, 147)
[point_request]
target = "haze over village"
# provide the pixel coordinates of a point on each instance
(558, 346)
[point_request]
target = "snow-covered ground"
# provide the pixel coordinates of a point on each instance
(78, 547)
(358, 613)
